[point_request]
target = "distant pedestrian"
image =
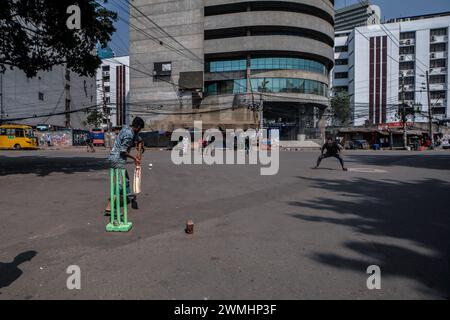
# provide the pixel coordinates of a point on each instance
(90, 142)
(49, 141)
(331, 149)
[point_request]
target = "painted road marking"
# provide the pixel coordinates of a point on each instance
(367, 170)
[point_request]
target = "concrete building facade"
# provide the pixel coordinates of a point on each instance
(231, 54)
(357, 15)
(381, 65)
(52, 92)
(113, 88)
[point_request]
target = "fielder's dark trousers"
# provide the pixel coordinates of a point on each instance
(325, 156)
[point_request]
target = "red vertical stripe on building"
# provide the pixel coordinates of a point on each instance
(124, 111)
(384, 82)
(378, 82)
(371, 78)
(118, 96)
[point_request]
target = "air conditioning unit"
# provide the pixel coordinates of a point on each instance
(433, 39)
(402, 58)
(433, 55)
(402, 42)
(408, 42)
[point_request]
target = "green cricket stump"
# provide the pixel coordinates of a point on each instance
(118, 223)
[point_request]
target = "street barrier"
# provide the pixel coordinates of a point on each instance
(118, 223)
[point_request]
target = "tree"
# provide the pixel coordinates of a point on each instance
(340, 109)
(34, 35)
(95, 119)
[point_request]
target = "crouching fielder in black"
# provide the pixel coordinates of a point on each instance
(333, 150)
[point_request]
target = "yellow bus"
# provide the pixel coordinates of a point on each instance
(17, 137)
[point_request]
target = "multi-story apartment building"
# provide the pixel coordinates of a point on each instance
(38, 99)
(357, 15)
(211, 59)
(383, 65)
(113, 87)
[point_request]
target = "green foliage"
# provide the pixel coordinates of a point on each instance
(95, 119)
(34, 35)
(340, 109)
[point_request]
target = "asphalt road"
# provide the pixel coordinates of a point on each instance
(302, 234)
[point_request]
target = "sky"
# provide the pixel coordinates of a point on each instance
(389, 9)
(403, 8)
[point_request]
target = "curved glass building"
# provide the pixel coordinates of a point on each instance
(277, 53)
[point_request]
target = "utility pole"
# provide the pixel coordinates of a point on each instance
(107, 112)
(2, 110)
(404, 118)
(430, 112)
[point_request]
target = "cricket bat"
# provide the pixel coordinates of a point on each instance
(137, 180)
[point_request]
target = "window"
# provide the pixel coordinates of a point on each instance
(41, 96)
(409, 80)
(106, 78)
(273, 85)
(407, 35)
(407, 50)
(266, 63)
(2, 132)
(107, 89)
(437, 79)
(438, 63)
(341, 49)
(438, 32)
(20, 133)
(437, 95)
(341, 62)
(341, 75)
(409, 65)
(439, 110)
(409, 96)
(105, 68)
(226, 87)
(438, 47)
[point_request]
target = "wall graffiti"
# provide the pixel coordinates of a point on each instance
(62, 139)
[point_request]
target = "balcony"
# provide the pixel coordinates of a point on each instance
(438, 103)
(438, 87)
(439, 39)
(407, 87)
(438, 71)
(407, 73)
(407, 42)
(407, 57)
(438, 55)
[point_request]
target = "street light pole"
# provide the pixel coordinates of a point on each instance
(404, 119)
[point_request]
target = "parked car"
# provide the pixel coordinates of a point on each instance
(357, 145)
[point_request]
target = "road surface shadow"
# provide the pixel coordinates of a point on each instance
(417, 212)
(43, 166)
(10, 272)
(433, 161)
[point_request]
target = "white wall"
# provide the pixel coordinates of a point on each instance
(21, 96)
